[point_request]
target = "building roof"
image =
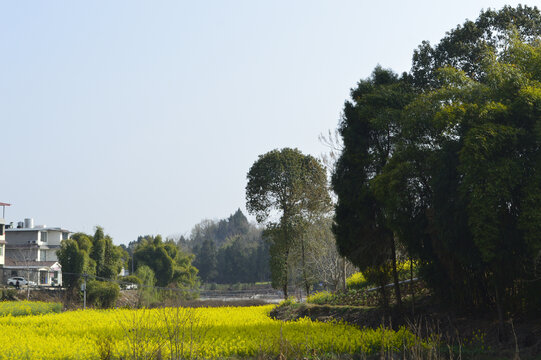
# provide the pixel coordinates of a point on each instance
(38, 229)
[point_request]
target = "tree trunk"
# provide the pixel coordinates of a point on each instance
(395, 276)
(502, 334)
(344, 273)
(286, 271)
(305, 277)
(383, 293)
(412, 289)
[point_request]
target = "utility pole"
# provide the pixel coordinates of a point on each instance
(85, 275)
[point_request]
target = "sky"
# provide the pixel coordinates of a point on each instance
(144, 117)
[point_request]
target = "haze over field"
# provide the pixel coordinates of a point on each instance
(145, 117)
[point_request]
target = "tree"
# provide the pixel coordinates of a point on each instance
(489, 127)
(324, 263)
(365, 233)
(154, 255)
(168, 263)
(284, 188)
(73, 261)
(205, 260)
(463, 48)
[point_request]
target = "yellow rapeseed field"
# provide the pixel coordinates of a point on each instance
(182, 333)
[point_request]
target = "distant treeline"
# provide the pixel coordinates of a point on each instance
(228, 251)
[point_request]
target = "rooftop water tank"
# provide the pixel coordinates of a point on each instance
(29, 223)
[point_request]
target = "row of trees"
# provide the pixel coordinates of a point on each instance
(154, 262)
(445, 162)
(94, 255)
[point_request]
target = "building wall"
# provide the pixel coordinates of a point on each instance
(54, 237)
(18, 237)
(22, 254)
(2, 254)
(47, 255)
(2, 239)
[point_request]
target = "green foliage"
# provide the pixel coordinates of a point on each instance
(86, 254)
(450, 167)
(154, 255)
(365, 227)
(102, 294)
(229, 250)
(24, 308)
(464, 47)
(290, 300)
(321, 297)
(170, 265)
(356, 281)
(294, 187)
(8, 294)
(147, 292)
(74, 262)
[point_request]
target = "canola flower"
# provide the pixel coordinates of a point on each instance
(23, 308)
(183, 333)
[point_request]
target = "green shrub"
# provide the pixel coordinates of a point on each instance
(102, 294)
(289, 301)
(321, 297)
(356, 281)
(8, 294)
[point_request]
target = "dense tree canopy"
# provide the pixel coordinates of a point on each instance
(93, 255)
(370, 131)
(229, 250)
(169, 264)
(448, 161)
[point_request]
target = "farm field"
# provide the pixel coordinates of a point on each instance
(185, 333)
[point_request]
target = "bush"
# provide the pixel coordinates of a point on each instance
(321, 297)
(102, 294)
(8, 294)
(356, 281)
(289, 301)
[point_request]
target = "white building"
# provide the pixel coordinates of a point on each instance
(34, 248)
(3, 234)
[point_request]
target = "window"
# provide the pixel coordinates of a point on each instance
(65, 236)
(44, 236)
(1, 250)
(2, 226)
(43, 255)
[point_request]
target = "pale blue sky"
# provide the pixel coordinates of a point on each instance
(145, 116)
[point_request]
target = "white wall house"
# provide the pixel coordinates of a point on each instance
(34, 247)
(3, 235)
(2, 241)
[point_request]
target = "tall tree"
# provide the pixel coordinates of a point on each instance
(463, 48)
(284, 188)
(365, 233)
(73, 261)
(205, 260)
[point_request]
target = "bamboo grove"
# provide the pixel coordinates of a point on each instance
(442, 165)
